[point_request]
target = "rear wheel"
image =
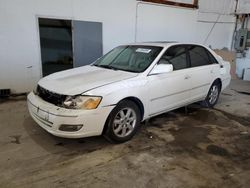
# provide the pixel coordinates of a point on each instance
(212, 96)
(123, 122)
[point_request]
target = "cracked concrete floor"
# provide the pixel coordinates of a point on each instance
(204, 148)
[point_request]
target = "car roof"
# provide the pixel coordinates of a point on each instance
(154, 43)
(163, 43)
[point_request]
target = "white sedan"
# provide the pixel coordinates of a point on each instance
(128, 85)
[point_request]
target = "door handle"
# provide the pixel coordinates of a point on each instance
(187, 77)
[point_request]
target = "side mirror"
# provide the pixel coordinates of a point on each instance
(162, 68)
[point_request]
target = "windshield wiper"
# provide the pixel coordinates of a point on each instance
(106, 67)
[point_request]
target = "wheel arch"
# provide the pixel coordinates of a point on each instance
(218, 80)
(136, 100)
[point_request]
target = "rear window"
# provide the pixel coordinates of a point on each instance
(212, 58)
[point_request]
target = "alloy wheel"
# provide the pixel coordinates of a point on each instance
(124, 122)
(213, 94)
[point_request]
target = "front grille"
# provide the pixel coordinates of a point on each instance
(50, 97)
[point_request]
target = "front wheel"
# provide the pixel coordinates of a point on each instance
(212, 96)
(123, 122)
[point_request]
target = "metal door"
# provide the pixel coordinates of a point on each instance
(87, 42)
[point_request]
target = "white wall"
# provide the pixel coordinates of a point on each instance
(215, 30)
(20, 60)
(19, 38)
(244, 7)
(217, 6)
(161, 22)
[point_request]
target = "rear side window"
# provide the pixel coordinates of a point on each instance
(199, 56)
(212, 58)
(176, 56)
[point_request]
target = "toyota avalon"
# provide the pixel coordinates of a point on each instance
(128, 85)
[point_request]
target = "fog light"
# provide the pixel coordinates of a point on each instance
(70, 128)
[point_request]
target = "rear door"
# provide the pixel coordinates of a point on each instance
(170, 90)
(203, 71)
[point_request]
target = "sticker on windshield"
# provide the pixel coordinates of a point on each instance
(143, 50)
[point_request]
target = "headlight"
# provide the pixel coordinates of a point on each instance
(82, 102)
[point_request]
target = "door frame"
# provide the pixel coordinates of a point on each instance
(69, 18)
(37, 16)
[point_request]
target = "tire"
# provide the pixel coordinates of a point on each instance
(123, 122)
(212, 96)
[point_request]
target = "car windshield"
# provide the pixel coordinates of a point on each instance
(129, 58)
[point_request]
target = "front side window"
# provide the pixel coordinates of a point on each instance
(129, 58)
(198, 56)
(176, 56)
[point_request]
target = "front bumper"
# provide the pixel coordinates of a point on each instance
(51, 117)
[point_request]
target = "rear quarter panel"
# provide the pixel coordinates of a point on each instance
(224, 71)
(225, 74)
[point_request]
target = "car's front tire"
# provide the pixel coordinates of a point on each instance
(213, 95)
(123, 122)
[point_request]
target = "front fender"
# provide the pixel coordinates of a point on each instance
(114, 93)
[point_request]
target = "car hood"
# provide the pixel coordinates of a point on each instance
(79, 80)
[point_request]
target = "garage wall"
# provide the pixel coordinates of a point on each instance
(243, 7)
(215, 30)
(124, 21)
(215, 23)
(217, 6)
(20, 66)
(161, 22)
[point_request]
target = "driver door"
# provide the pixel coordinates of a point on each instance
(170, 90)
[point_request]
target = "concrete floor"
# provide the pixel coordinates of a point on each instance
(204, 148)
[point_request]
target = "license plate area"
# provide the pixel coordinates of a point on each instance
(43, 116)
